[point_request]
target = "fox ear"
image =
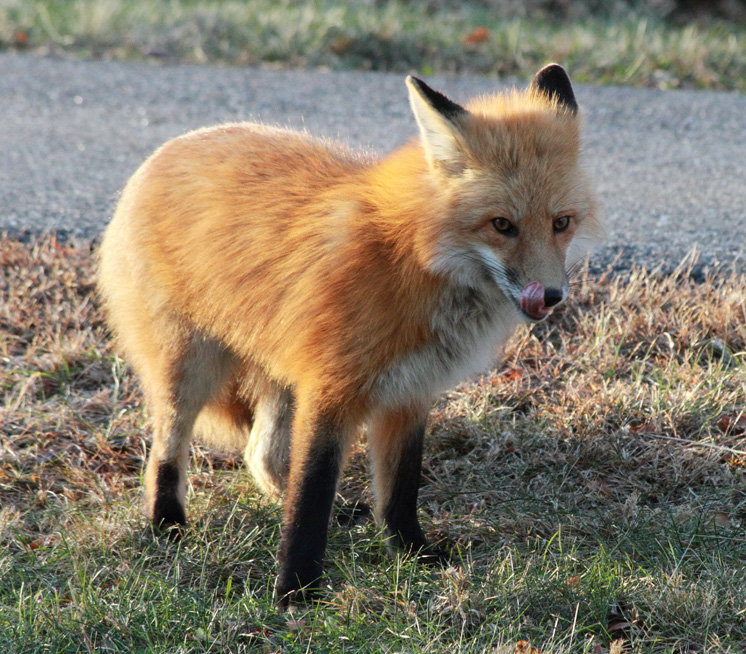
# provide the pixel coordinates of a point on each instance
(438, 119)
(553, 81)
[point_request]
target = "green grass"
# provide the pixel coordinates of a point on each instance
(592, 490)
(632, 46)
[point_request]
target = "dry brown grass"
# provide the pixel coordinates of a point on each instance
(71, 424)
(633, 395)
(663, 43)
(593, 486)
(68, 409)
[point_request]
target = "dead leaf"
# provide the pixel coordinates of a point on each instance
(511, 375)
(724, 423)
(573, 581)
(340, 45)
(479, 35)
(643, 428)
(722, 519)
(524, 647)
(296, 625)
(736, 461)
(620, 618)
(735, 425)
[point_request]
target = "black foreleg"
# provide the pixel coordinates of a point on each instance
(315, 462)
(396, 440)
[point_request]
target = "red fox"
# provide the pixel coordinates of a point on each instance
(275, 293)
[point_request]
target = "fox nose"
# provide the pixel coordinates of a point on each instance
(552, 296)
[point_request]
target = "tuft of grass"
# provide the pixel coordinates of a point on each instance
(592, 490)
(638, 44)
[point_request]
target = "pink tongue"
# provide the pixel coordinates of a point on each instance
(532, 301)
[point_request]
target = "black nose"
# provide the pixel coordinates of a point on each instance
(552, 296)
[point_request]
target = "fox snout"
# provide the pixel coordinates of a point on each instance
(537, 300)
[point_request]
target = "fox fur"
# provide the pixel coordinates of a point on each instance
(275, 292)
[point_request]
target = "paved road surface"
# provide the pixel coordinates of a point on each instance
(670, 166)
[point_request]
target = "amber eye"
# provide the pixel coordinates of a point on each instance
(504, 226)
(561, 224)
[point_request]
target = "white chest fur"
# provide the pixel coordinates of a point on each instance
(466, 329)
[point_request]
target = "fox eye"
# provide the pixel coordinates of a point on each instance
(561, 224)
(504, 226)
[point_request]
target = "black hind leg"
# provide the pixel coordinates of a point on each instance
(176, 395)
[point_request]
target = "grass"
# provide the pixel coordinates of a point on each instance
(634, 45)
(593, 489)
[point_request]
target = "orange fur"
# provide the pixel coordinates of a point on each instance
(247, 264)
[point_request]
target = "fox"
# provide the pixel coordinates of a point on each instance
(281, 294)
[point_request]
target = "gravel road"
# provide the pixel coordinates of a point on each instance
(670, 166)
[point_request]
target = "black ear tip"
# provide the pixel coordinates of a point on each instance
(553, 81)
(553, 70)
(436, 99)
(417, 83)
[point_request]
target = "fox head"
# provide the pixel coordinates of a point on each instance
(516, 206)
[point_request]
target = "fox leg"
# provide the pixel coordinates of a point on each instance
(175, 402)
(267, 452)
(165, 485)
(396, 440)
(316, 457)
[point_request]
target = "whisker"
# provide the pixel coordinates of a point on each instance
(577, 267)
(504, 279)
(498, 273)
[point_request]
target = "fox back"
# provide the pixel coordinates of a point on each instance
(275, 292)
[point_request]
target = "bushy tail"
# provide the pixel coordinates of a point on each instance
(262, 430)
(226, 424)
